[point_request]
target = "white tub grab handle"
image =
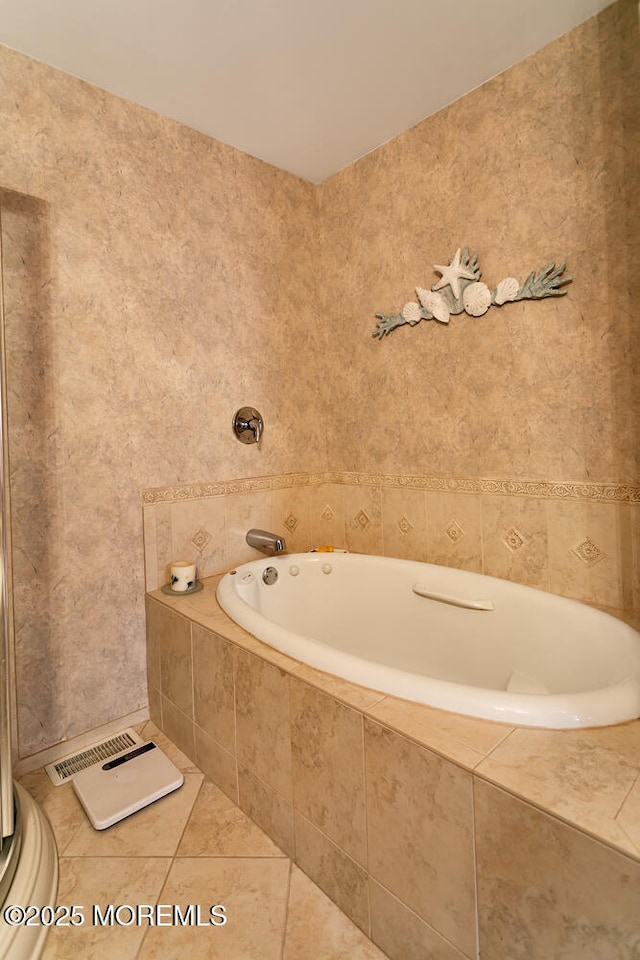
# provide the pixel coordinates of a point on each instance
(423, 591)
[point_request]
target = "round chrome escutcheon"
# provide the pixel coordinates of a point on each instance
(269, 575)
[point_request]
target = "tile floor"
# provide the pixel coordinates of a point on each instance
(192, 847)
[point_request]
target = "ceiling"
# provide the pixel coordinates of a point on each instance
(309, 87)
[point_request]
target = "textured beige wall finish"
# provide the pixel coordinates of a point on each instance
(155, 281)
(538, 165)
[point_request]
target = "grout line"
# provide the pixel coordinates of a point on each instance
(192, 624)
(475, 866)
(291, 801)
(283, 944)
(189, 815)
(421, 920)
(482, 534)
(508, 733)
(363, 719)
(157, 901)
(61, 851)
(624, 800)
(236, 762)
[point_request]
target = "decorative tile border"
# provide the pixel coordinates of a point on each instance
(548, 490)
(541, 489)
(187, 491)
(203, 491)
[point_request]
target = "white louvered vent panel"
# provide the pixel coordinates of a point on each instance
(63, 770)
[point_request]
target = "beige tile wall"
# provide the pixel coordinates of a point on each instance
(420, 832)
(419, 850)
(547, 890)
(575, 540)
(291, 741)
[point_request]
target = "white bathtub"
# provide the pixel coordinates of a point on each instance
(508, 653)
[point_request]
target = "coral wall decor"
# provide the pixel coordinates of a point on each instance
(460, 289)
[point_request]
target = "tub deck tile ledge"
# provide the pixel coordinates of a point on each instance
(588, 778)
(465, 740)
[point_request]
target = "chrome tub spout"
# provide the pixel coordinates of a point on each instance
(266, 542)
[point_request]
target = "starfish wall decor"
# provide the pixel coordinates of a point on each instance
(463, 291)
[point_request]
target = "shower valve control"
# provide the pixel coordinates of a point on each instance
(248, 425)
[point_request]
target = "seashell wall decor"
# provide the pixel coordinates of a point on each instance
(460, 290)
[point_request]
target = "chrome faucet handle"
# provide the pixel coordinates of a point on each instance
(256, 425)
(248, 425)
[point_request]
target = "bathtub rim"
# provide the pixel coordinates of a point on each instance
(607, 706)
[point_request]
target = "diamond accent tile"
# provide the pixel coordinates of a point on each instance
(589, 552)
(362, 519)
(404, 524)
(291, 522)
(201, 539)
(327, 513)
(513, 539)
(454, 531)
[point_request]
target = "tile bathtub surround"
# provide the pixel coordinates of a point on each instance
(347, 763)
(420, 832)
(208, 523)
(576, 540)
(214, 707)
(263, 737)
(326, 745)
(192, 847)
(547, 890)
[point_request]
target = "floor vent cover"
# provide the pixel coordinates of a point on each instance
(65, 769)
